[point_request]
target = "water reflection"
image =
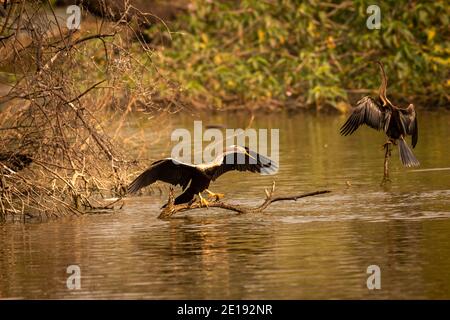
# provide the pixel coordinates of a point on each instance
(316, 248)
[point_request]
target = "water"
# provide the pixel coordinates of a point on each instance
(318, 247)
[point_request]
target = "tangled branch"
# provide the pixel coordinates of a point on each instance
(170, 209)
(57, 155)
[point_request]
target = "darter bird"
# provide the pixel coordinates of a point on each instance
(381, 114)
(194, 179)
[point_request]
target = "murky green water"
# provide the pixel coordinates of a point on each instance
(316, 248)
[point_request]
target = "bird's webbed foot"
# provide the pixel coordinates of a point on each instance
(216, 196)
(203, 201)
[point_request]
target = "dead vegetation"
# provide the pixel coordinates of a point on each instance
(61, 91)
(170, 209)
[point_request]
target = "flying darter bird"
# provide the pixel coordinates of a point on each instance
(381, 114)
(195, 179)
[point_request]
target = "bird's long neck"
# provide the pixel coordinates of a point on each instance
(383, 87)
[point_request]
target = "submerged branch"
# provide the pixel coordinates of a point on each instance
(171, 208)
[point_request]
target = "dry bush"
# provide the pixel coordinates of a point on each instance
(56, 157)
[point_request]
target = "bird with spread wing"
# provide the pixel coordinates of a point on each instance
(194, 179)
(380, 114)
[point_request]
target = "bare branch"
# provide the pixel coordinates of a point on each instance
(170, 209)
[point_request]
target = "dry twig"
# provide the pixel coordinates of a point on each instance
(66, 87)
(172, 209)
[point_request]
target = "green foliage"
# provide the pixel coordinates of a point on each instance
(306, 53)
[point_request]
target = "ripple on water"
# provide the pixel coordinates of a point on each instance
(317, 247)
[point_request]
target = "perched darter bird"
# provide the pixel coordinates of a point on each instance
(194, 179)
(381, 114)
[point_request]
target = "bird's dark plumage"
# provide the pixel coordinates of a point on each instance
(195, 179)
(409, 122)
(166, 170)
(369, 112)
(239, 161)
(381, 114)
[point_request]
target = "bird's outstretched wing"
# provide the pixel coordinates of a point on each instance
(408, 118)
(244, 161)
(166, 170)
(369, 112)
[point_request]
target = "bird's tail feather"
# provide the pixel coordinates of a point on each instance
(406, 156)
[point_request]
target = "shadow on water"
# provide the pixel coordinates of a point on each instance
(316, 248)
